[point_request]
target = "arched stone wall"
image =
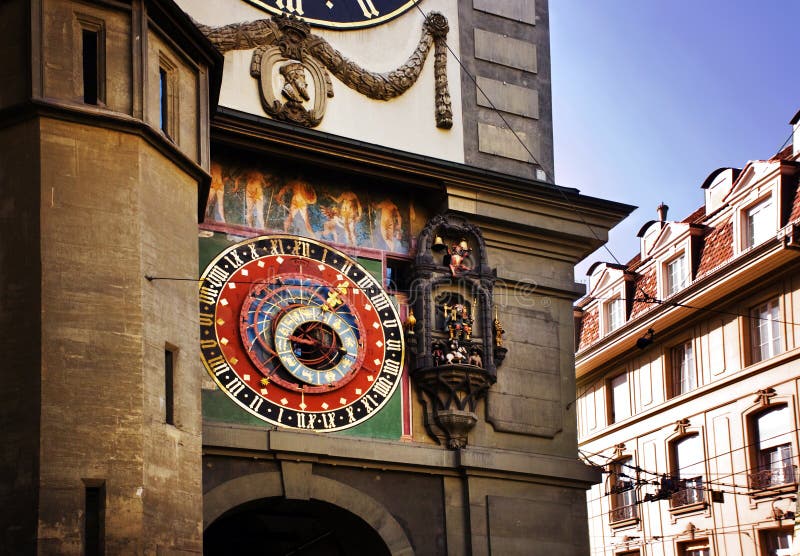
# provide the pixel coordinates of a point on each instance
(256, 486)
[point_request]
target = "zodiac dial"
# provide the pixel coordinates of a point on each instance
(298, 333)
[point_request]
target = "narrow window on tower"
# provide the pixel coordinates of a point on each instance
(169, 385)
(163, 92)
(167, 97)
(90, 69)
(94, 517)
(92, 49)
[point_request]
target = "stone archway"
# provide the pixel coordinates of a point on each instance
(299, 494)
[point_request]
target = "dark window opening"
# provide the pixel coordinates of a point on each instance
(398, 275)
(169, 385)
(163, 97)
(94, 522)
(91, 66)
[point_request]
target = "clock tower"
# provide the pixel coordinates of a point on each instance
(286, 277)
(104, 112)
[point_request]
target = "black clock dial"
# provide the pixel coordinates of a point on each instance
(338, 14)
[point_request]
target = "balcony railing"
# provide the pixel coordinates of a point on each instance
(772, 477)
(623, 513)
(687, 495)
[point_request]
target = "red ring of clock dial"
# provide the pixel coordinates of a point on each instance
(249, 288)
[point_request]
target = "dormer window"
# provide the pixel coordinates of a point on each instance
(676, 274)
(759, 223)
(615, 314)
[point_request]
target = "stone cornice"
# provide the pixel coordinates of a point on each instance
(557, 215)
(249, 441)
(98, 117)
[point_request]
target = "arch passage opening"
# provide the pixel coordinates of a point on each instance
(280, 527)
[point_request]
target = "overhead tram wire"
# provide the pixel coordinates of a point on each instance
(708, 482)
(721, 454)
(656, 301)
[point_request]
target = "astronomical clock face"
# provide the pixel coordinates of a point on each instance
(338, 14)
(299, 334)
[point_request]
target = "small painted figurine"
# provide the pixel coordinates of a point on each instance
(475, 358)
(458, 321)
(457, 353)
(498, 331)
(411, 322)
(458, 255)
(438, 354)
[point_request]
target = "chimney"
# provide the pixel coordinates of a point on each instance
(662, 212)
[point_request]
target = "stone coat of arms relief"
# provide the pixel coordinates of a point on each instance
(292, 67)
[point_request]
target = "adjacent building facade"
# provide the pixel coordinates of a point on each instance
(687, 368)
(277, 276)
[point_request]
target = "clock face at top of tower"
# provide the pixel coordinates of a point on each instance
(338, 14)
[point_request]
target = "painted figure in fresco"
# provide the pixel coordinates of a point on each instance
(216, 194)
(349, 212)
(254, 199)
(390, 225)
(302, 195)
(333, 227)
(296, 88)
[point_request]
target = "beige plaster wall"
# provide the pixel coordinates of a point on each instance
(718, 410)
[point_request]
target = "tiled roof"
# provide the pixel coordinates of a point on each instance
(717, 248)
(645, 286)
(696, 217)
(590, 328)
(634, 262)
(784, 154)
(795, 214)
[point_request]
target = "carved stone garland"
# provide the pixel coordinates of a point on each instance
(283, 41)
(451, 368)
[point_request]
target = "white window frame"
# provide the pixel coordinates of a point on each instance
(674, 284)
(623, 503)
(780, 536)
(619, 409)
(614, 313)
(766, 336)
(772, 441)
(691, 474)
(684, 368)
(763, 215)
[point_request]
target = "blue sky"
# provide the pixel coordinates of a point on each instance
(649, 97)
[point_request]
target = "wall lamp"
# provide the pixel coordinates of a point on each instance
(646, 340)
